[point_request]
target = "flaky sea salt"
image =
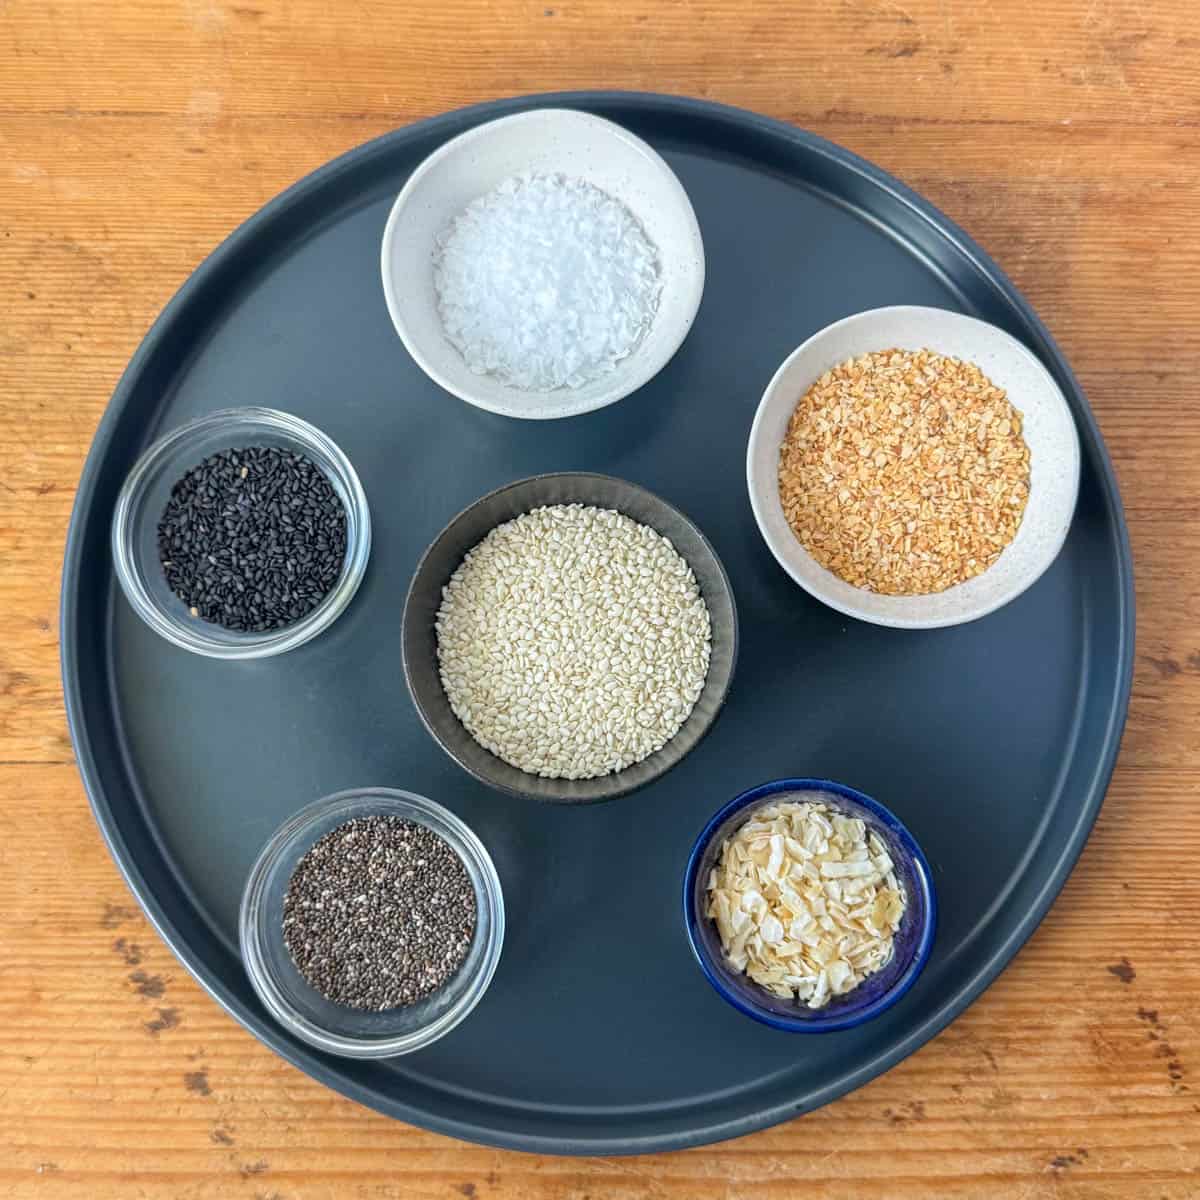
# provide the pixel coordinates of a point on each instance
(546, 282)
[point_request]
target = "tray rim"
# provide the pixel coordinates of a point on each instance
(320, 1068)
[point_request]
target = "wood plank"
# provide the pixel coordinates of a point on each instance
(1119, 61)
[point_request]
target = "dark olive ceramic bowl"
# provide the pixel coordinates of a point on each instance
(469, 528)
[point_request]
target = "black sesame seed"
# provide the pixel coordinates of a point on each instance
(379, 913)
(233, 521)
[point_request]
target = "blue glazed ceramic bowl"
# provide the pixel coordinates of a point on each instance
(875, 994)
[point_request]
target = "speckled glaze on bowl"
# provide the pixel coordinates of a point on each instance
(877, 993)
(546, 140)
(471, 526)
(1049, 431)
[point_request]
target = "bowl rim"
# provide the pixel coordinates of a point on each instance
(463, 838)
(816, 1024)
(197, 639)
(635, 379)
(760, 494)
(492, 782)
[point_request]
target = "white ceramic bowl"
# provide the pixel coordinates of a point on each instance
(545, 140)
(1049, 431)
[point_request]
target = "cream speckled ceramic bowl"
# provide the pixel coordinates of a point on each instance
(546, 140)
(1049, 431)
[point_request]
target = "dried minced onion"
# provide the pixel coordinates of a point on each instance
(806, 900)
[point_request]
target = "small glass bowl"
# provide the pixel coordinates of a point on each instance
(877, 992)
(302, 1010)
(144, 497)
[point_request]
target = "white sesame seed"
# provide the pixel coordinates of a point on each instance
(614, 641)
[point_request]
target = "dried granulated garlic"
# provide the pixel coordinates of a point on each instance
(806, 900)
(904, 472)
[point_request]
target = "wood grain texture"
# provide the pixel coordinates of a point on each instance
(1065, 136)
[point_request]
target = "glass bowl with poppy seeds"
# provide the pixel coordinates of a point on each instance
(372, 923)
(241, 534)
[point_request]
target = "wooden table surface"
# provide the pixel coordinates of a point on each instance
(1065, 135)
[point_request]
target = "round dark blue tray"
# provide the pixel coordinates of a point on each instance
(993, 742)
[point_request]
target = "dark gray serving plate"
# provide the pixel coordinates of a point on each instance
(993, 742)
